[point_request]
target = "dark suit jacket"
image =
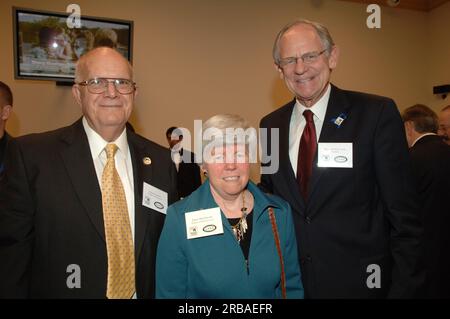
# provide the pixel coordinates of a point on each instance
(431, 166)
(188, 177)
(3, 144)
(354, 217)
(51, 215)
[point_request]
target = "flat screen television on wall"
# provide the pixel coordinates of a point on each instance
(46, 48)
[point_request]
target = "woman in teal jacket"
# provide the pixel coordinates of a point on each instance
(195, 259)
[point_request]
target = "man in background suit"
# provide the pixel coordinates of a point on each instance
(6, 102)
(431, 167)
(54, 239)
(188, 171)
(444, 124)
(355, 214)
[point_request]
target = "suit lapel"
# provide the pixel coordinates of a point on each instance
(140, 175)
(337, 105)
(77, 158)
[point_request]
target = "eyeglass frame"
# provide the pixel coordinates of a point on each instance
(108, 80)
(294, 60)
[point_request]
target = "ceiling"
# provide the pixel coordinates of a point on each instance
(420, 5)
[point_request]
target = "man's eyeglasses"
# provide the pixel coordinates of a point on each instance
(100, 85)
(307, 58)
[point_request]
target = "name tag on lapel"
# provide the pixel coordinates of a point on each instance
(202, 223)
(335, 155)
(154, 198)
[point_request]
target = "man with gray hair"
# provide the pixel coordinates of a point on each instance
(82, 207)
(344, 169)
(430, 158)
(420, 121)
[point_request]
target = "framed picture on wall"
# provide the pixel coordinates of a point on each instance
(46, 48)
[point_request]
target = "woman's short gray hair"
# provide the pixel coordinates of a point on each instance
(225, 129)
(322, 31)
(224, 121)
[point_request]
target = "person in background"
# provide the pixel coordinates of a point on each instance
(431, 168)
(344, 168)
(444, 124)
(228, 239)
(188, 171)
(82, 207)
(6, 103)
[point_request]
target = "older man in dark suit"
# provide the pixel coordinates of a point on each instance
(430, 157)
(82, 207)
(344, 168)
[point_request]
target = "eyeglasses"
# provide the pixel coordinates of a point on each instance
(100, 85)
(307, 58)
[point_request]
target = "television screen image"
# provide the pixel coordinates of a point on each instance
(47, 49)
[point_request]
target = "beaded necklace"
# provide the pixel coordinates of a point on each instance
(241, 226)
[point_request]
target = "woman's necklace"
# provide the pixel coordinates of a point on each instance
(241, 226)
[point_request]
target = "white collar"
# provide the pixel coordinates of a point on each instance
(97, 143)
(319, 108)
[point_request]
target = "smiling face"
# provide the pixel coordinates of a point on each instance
(307, 82)
(228, 171)
(107, 112)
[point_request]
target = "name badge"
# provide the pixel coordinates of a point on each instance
(203, 223)
(335, 155)
(154, 198)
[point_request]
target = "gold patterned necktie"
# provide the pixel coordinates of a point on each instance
(119, 243)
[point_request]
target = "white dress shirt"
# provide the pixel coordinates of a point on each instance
(176, 158)
(123, 164)
(298, 123)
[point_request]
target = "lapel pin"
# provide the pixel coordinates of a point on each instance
(146, 160)
(339, 120)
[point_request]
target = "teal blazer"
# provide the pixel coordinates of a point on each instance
(214, 266)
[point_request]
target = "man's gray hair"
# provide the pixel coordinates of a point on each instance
(322, 32)
(423, 118)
